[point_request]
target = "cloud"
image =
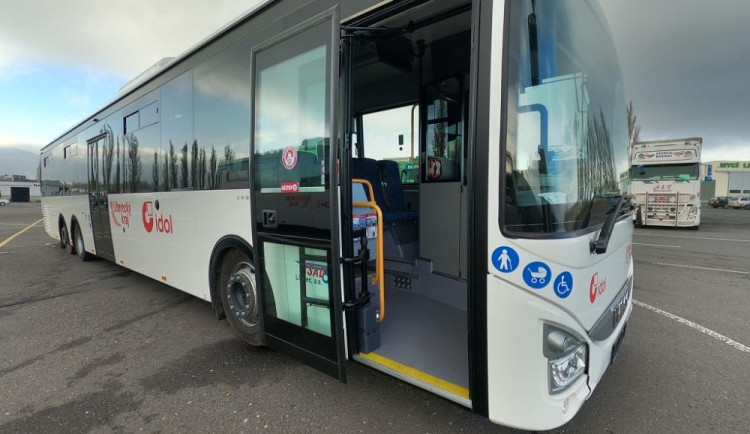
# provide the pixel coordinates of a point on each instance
(738, 151)
(96, 35)
(684, 65)
(32, 144)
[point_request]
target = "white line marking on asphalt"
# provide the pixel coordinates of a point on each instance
(700, 328)
(693, 238)
(695, 267)
(658, 245)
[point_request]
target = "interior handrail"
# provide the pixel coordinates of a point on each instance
(379, 264)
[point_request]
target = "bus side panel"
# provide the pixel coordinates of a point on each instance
(219, 214)
(169, 236)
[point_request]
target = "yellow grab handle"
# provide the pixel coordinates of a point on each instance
(379, 265)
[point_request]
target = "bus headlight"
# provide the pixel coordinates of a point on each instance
(566, 356)
(565, 370)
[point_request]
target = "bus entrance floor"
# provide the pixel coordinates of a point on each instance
(425, 340)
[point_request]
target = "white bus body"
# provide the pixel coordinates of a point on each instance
(501, 280)
(665, 182)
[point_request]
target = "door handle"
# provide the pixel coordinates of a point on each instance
(270, 219)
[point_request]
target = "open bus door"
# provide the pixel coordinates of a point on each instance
(295, 198)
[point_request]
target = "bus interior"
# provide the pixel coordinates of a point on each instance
(409, 88)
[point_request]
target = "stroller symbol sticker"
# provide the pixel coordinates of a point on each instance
(563, 284)
(536, 275)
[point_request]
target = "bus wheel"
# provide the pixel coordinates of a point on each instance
(63, 236)
(239, 296)
(80, 249)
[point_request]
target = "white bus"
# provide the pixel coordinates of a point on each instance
(265, 171)
(665, 182)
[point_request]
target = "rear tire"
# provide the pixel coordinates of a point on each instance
(63, 236)
(80, 248)
(238, 291)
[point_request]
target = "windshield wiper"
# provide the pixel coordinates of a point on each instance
(600, 245)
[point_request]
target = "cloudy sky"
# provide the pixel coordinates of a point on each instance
(685, 62)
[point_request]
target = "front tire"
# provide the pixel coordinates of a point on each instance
(238, 291)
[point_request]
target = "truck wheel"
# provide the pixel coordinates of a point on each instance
(239, 296)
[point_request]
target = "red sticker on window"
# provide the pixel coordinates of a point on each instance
(289, 157)
(289, 187)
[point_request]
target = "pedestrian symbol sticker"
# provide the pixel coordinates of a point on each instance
(563, 284)
(505, 259)
(536, 275)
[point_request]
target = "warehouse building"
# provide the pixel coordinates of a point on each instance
(20, 189)
(725, 178)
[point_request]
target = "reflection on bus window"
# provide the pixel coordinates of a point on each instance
(291, 116)
(563, 157)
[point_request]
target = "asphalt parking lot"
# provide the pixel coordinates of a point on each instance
(92, 347)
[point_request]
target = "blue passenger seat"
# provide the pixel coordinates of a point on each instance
(387, 188)
(393, 190)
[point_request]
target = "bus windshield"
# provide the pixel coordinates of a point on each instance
(665, 172)
(565, 145)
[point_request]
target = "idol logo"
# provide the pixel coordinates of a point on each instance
(597, 287)
(152, 220)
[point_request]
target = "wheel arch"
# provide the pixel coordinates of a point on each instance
(61, 221)
(224, 245)
(72, 227)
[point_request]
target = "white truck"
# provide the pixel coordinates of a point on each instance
(665, 182)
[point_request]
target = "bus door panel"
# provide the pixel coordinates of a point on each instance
(100, 165)
(295, 194)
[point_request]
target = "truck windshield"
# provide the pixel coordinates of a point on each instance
(665, 172)
(566, 140)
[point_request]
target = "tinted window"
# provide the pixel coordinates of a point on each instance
(222, 119)
(175, 165)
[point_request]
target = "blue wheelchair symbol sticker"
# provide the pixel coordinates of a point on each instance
(563, 284)
(536, 275)
(505, 259)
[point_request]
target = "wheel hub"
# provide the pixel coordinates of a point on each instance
(241, 293)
